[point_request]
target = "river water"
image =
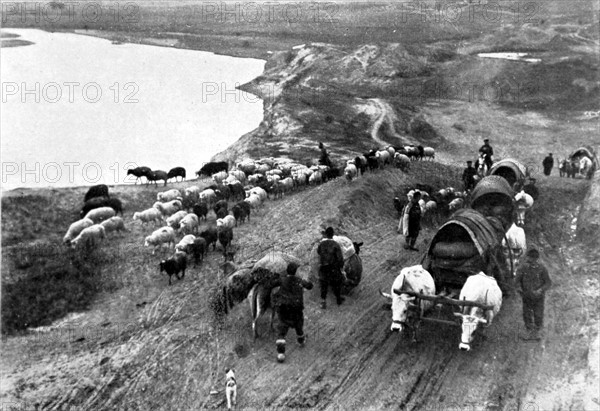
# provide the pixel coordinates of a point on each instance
(79, 110)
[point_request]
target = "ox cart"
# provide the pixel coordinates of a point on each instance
(516, 175)
(468, 244)
(511, 170)
(494, 197)
(585, 152)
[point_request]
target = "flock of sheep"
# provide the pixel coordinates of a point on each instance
(179, 212)
(442, 201)
(400, 157)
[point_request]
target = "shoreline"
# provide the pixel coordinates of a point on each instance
(7, 35)
(259, 53)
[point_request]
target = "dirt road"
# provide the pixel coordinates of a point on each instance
(155, 347)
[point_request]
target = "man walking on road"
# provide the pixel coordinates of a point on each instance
(548, 163)
(331, 262)
(289, 305)
(468, 176)
(410, 222)
(532, 281)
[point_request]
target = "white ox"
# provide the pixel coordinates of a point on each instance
(517, 243)
(585, 165)
(524, 202)
(416, 279)
(482, 289)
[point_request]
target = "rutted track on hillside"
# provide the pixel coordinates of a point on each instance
(173, 356)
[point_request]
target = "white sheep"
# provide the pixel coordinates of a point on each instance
(220, 176)
(383, 157)
(113, 224)
(226, 222)
(401, 161)
(164, 235)
(456, 204)
(270, 161)
(273, 178)
(192, 191)
(260, 192)
(275, 171)
(253, 200)
(175, 219)
(169, 195)
(169, 208)
(411, 193)
(247, 166)
(185, 241)
(208, 196)
(239, 175)
(301, 176)
(89, 236)
(350, 172)
(422, 205)
(315, 178)
(430, 206)
(189, 223)
(232, 180)
(148, 215)
(97, 215)
(76, 228)
(254, 178)
(262, 169)
(429, 152)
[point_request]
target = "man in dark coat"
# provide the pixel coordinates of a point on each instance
(532, 281)
(468, 176)
(289, 305)
(548, 163)
(331, 262)
(487, 151)
(324, 159)
(410, 223)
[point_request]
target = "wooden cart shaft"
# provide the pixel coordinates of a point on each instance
(438, 299)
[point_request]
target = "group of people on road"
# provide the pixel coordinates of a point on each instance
(532, 280)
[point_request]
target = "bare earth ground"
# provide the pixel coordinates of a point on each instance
(150, 346)
(121, 338)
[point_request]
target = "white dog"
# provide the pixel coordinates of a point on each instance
(230, 388)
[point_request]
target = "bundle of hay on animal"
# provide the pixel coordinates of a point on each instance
(584, 161)
(251, 280)
(352, 262)
(457, 250)
(493, 197)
